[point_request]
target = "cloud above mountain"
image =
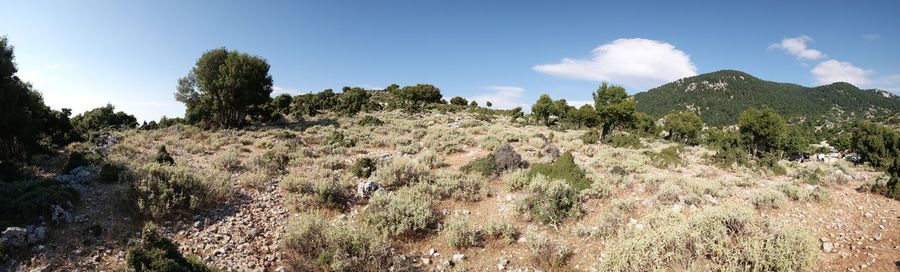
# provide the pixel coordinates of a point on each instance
(636, 63)
(796, 46)
(831, 71)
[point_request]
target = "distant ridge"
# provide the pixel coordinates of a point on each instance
(719, 97)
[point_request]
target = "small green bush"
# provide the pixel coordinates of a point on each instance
(229, 161)
(363, 167)
(502, 231)
(430, 159)
(336, 138)
(81, 158)
(405, 212)
(453, 184)
(400, 171)
(311, 243)
(517, 180)
(550, 200)
(623, 140)
(163, 157)
(24, 202)
(667, 157)
(484, 166)
(591, 136)
(369, 120)
(166, 190)
(158, 253)
(614, 218)
(111, 172)
(460, 235)
(549, 254)
(272, 162)
(564, 168)
(767, 199)
(793, 192)
(324, 192)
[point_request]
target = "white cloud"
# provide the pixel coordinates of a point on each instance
(277, 90)
(502, 97)
(636, 63)
(797, 46)
(871, 37)
(831, 71)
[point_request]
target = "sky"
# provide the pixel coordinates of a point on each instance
(85, 54)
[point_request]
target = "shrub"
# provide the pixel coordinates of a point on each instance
(502, 231)
(877, 144)
(517, 179)
(564, 168)
(793, 192)
(762, 131)
(459, 234)
(888, 185)
(767, 199)
(79, 158)
(229, 161)
(614, 218)
(599, 189)
(369, 120)
(316, 192)
(363, 167)
(111, 172)
(23, 202)
(549, 254)
(486, 166)
(404, 212)
(158, 253)
(430, 158)
(683, 127)
(667, 157)
(505, 158)
(272, 162)
(623, 140)
(311, 243)
(338, 139)
(722, 238)
(550, 201)
(400, 171)
(453, 184)
(458, 101)
(92, 122)
(163, 157)
(591, 136)
(165, 190)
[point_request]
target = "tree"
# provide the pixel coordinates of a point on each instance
(102, 118)
(683, 127)
(459, 101)
(353, 100)
(876, 144)
(414, 98)
(542, 108)
(224, 87)
(585, 116)
(281, 103)
(27, 125)
(488, 104)
(614, 107)
(763, 131)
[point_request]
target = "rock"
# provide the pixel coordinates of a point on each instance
(877, 237)
(432, 252)
(447, 264)
(426, 261)
(503, 263)
(60, 216)
(36, 234)
(458, 257)
(14, 237)
(827, 247)
(367, 188)
(869, 214)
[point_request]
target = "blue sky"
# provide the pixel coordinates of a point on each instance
(83, 54)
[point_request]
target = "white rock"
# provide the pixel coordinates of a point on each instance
(827, 247)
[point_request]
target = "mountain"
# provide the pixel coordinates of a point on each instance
(719, 97)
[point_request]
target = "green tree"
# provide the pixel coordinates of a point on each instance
(414, 98)
(224, 87)
(353, 100)
(102, 118)
(488, 104)
(542, 108)
(585, 116)
(763, 131)
(281, 104)
(684, 127)
(459, 101)
(614, 107)
(876, 144)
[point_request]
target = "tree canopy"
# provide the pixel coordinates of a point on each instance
(614, 106)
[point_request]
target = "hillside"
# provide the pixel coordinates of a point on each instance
(719, 97)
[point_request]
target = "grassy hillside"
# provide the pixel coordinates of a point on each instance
(719, 97)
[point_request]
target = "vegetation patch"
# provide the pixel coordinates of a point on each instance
(549, 254)
(461, 235)
(165, 190)
(363, 167)
(667, 157)
(550, 201)
(565, 169)
(311, 243)
(24, 201)
(623, 140)
(405, 212)
(158, 253)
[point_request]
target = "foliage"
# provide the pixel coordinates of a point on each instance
(591, 136)
(111, 172)
(369, 120)
(762, 131)
(550, 200)
(684, 127)
(460, 235)
(414, 98)
(24, 201)
(502, 231)
(547, 110)
(312, 243)
(158, 253)
(404, 212)
(723, 95)
(363, 167)
(565, 169)
(165, 190)
(876, 144)
(163, 157)
(453, 184)
(224, 87)
(585, 116)
(312, 104)
(767, 199)
(505, 158)
(549, 254)
(400, 171)
(96, 120)
(728, 147)
(667, 157)
(517, 179)
(486, 166)
(614, 107)
(720, 238)
(27, 125)
(889, 185)
(459, 101)
(623, 140)
(317, 192)
(353, 100)
(272, 162)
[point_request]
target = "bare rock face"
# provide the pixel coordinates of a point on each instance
(14, 237)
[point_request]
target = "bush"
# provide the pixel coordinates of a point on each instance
(550, 200)
(549, 254)
(591, 136)
(614, 218)
(163, 157)
(767, 199)
(369, 120)
(272, 162)
(793, 192)
(565, 169)
(458, 101)
(90, 123)
(452, 184)
(722, 238)
(316, 192)
(400, 171)
(762, 131)
(166, 190)
(229, 161)
(363, 167)
(517, 179)
(502, 231)
(111, 172)
(877, 144)
(486, 166)
(683, 127)
(24, 202)
(336, 138)
(431, 159)
(667, 157)
(405, 212)
(889, 185)
(505, 158)
(460, 235)
(623, 140)
(311, 243)
(157, 253)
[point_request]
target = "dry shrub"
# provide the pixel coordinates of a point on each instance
(311, 243)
